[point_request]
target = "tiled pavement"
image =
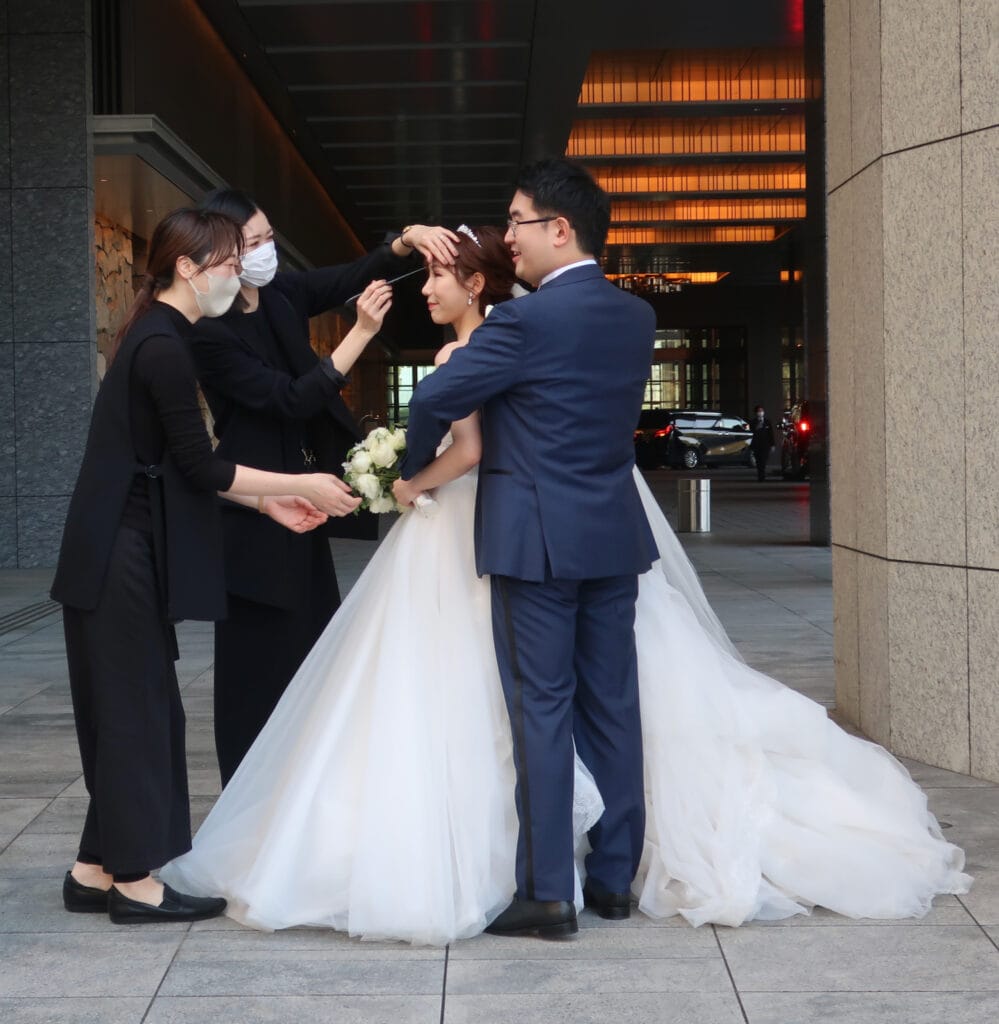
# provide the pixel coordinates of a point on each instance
(769, 587)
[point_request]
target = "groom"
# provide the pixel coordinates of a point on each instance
(559, 376)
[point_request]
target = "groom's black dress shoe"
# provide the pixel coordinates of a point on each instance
(613, 906)
(176, 906)
(78, 898)
(548, 919)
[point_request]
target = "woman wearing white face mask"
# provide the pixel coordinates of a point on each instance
(142, 550)
(277, 406)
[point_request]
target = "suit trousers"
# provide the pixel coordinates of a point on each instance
(566, 655)
(129, 716)
(259, 647)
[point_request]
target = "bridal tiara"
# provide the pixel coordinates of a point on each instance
(464, 229)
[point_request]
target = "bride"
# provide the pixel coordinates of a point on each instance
(379, 798)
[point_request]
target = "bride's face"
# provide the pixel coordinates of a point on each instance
(447, 297)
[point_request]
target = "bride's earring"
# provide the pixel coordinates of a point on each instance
(471, 297)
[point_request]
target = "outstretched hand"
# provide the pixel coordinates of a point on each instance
(331, 495)
(296, 514)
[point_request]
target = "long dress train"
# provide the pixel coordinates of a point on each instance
(378, 799)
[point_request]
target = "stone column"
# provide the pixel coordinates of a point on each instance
(47, 350)
(912, 93)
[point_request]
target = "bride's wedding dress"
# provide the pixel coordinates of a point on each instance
(378, 799)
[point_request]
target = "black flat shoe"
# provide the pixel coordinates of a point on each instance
(554, 919)
(78, 898)
(612, 906)
(176, 906)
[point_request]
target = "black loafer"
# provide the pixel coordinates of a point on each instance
(78, 898)
(554, 919)
(176, 906)
(613, 906)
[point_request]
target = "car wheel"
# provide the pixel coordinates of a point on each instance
(691, 458)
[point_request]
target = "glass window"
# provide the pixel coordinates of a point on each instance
(402, 380)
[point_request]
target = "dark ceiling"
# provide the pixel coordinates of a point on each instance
(422, 111)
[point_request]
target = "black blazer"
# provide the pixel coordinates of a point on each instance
(763, 437)
(263, 413)
(186, 523)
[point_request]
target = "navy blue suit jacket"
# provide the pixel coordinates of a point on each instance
(559, 376)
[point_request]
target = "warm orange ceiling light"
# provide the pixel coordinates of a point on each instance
(691, 277)
(702, 178)
(683, 135)
(693, 236)
(698, 76)
(708, 210)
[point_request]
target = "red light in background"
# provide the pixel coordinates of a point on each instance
(804, 426)
(424, 15)
(794, 15)
(666, 431)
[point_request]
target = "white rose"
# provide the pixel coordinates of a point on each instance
(383, 454)
(376, 436)
(361, 462)
(367, 486)
(386, 503)
(399, 439)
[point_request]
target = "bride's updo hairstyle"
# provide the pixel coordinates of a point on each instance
(482, 250)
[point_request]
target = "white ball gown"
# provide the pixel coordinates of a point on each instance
(378, 800)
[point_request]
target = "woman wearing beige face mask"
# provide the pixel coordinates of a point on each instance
(142, 550)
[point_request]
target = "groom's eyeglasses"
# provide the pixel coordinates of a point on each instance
(512, 225)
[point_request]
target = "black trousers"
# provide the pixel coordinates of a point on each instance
(258, 649)
(129, 716)
(762, 457)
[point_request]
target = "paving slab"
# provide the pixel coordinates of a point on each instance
(593, 1008)
(341, 1009)
(74, 1009)
(130, 962)
(16, 813)
(872, 959)
(872, 1008)
(297, 972)
(313, 943)
(550, 974)
(594, 944)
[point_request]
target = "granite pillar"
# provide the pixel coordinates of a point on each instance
(913, 149)
(47, 329)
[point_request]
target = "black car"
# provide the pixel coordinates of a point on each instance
(651, 434)
(688, 438)
(797, 430)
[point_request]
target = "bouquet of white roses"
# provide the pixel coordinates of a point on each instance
(372, 467)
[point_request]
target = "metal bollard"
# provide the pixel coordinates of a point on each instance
(694, 506)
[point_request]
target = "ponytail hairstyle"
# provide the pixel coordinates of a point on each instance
(482, 250)
(209, 239)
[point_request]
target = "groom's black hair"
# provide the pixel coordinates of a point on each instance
(560, 187)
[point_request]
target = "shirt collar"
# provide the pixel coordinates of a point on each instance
(561, 270)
